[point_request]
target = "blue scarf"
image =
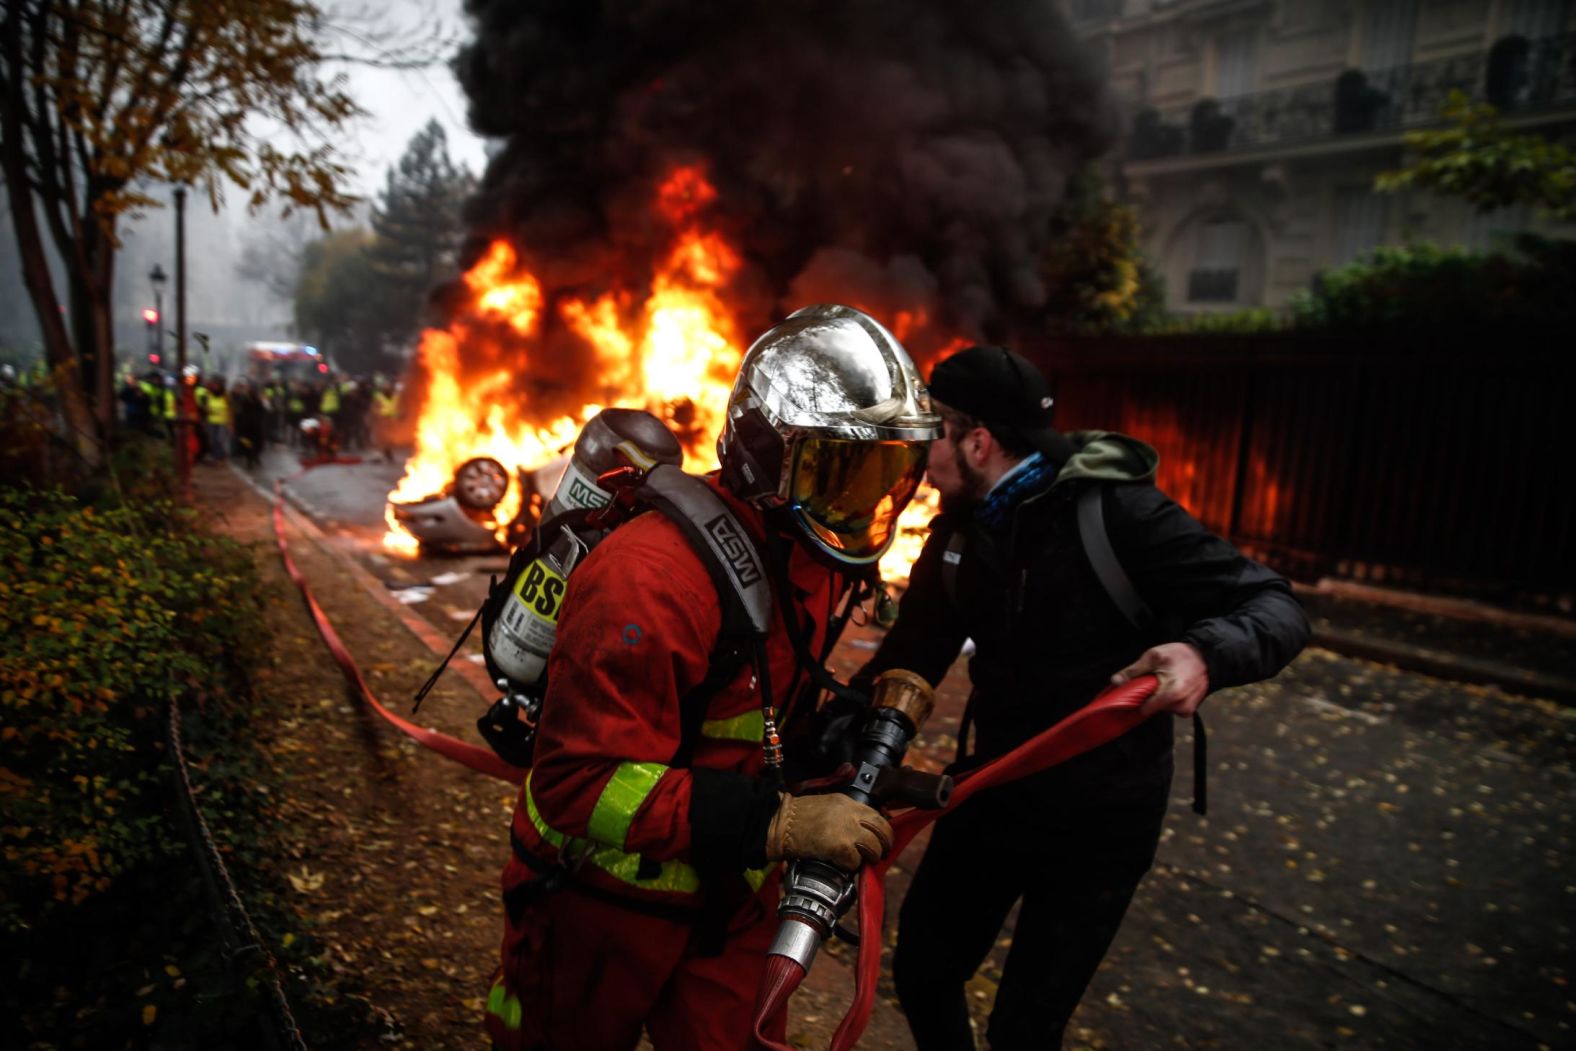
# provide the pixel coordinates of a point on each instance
(1035, 476)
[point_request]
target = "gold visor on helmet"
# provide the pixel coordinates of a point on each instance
(848, 494)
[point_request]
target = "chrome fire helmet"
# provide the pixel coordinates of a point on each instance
(829, 420)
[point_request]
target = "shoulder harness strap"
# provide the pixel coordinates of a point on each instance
(1119, 586)
(734, 563)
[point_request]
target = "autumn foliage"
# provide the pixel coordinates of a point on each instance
(108, 613)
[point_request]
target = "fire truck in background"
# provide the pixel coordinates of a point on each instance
(271, 361)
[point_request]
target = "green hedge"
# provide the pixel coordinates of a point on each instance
(107, 613)
(111, 604)
(1427, 286)
(1417, 287)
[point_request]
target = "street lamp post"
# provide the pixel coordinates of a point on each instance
(186, 404)
(157, 277)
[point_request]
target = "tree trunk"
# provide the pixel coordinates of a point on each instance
(82, 429)
(99, 371)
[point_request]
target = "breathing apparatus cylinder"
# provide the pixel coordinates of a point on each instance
(612, 438)
(526, 624)
(816, 893)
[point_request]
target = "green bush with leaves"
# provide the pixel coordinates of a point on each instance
(1096, 279)
(1429, 287)
(1248, 320)
(1480, 160)
(107, 612)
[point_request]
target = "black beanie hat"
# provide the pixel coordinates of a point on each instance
(1004, 390)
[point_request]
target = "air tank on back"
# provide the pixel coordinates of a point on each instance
(526, 623)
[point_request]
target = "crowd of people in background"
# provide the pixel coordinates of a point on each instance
(318, 417)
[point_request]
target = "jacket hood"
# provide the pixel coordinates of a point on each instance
(1106, 456)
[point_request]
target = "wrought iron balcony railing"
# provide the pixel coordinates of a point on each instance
(1515, 75)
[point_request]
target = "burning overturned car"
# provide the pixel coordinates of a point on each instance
(466, 515)
(485, 508)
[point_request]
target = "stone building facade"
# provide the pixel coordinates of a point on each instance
(1255, 127)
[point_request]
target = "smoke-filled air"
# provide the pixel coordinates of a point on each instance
(904, 156)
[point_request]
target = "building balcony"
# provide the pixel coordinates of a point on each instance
(1517, 76)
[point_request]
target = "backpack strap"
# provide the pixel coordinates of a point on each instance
(1097, 547)
(725, 545)
(732, 559)
(1119, 586)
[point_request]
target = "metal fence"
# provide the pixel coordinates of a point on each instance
(1433, 460)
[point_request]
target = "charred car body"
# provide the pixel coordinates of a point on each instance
(463, 517)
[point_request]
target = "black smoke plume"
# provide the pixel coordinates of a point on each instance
(891, 153)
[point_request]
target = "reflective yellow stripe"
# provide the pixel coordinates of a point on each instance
(750, 726)
(543, 829)
(504, 1006)
(615, 809)
(674, 876)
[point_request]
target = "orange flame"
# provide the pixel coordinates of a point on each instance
(673, 353)
(500, 293)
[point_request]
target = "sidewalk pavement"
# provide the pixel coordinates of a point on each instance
(1529, 654)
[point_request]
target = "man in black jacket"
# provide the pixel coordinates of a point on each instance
(1008, 565)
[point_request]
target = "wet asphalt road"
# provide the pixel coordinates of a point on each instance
(1386, 863)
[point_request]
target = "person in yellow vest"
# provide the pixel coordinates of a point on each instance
(168, 399)
(218, 417)
(297, 403)
(328, 402)
(385, 404)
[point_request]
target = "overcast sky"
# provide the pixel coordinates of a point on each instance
(400, 103)
(222, 300)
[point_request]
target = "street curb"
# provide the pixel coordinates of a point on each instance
(413, 622)
(1440, 606)
(1449, 666)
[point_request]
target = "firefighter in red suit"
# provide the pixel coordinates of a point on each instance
(642, 888)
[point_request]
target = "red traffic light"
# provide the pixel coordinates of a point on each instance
(153, 359)
(150, 315)
(321, 367)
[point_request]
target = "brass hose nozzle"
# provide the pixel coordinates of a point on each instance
(906, 692)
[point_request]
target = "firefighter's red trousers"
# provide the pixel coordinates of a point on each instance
(589, 974)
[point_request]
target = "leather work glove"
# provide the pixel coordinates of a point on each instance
(830, 828)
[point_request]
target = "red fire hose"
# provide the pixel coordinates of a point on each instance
(1104, 719)
(479, 759)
